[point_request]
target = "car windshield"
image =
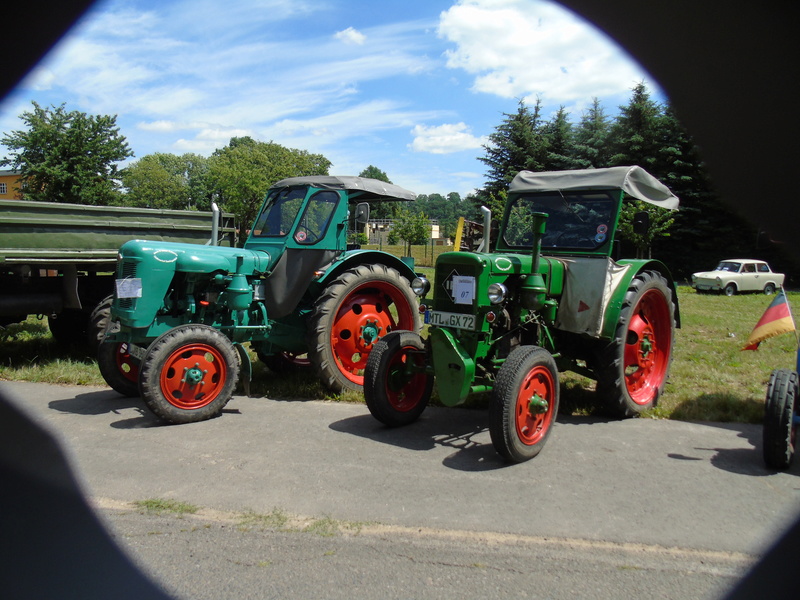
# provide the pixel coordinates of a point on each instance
(732, 267)
(582, 221)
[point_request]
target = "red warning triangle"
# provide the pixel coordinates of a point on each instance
(582, 306)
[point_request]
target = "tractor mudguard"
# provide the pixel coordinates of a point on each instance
(453, 367)
(353, 258)
(612, 309)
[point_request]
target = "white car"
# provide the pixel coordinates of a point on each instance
(739, 275)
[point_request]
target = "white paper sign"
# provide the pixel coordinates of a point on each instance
(129, 288)
(463, 289)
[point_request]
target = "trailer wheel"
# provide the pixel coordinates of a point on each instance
(119, 368)
(189, 374)
(633, 367)
(779, 430)
(69, 326)
(396, 387)
(351, 315)
(524, 403)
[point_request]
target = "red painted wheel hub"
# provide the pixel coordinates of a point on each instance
(126, 364)
(534, 409)
(405, 384)
(363, 318)
(648, 346)
(193, 376)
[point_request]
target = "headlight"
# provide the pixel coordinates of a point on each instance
(420, 286)
(497, 293)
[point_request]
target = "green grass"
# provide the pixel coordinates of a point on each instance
(161, 505)
(711, 378)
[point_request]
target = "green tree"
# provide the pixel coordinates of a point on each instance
(517, 144)
(561, 153)
(592, 137)
(380, 210)
(167, 181)
(67, 156)
(241, 173)
(636, 133)
(412, 228)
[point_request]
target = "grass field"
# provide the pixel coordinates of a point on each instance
(711, 378)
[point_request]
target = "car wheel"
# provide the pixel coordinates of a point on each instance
(769, 289)
(730, 290)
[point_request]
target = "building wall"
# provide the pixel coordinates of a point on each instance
(9, 185)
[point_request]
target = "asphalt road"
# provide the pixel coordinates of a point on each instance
(641, 507)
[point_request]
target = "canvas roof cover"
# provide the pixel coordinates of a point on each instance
(634, 181)
(372, 188)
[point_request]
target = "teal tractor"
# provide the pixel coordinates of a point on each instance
(296, 292)
(546, 295)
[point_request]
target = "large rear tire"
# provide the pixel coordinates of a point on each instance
(524, 403)
(779, 430)
(189, 374)
(396, 387)
(99, 322)
(351, 315)
(633, 367)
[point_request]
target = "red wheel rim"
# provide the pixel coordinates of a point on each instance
(647, 347)
(193, 376)
(125, 363)
(362, 319)
(534, 409)
(406, 381)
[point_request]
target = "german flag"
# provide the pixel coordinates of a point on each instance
(777, 319)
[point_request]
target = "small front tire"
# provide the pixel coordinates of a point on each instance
(524, 403)
(189, 374)
(397, 387)
(119, 368)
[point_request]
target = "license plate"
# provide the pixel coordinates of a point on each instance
(136, 351)
(455, 320)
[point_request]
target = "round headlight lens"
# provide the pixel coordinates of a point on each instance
(497, 293)
(420, 286)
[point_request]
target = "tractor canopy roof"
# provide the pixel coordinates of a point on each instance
(371, 189)
(634, 181)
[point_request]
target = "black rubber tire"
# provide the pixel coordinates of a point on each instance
(612, 372)
(216, 367)
(99, 321)
(769, 289)
(119, 369)
(729, 290)
(394, 395)
(528, 369)
(69, 327)
(355, 287)
(779, 409)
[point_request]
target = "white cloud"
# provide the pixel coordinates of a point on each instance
(444, 139)
(527, 48)
(351, 36)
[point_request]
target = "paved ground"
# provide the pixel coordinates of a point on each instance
(657, 484)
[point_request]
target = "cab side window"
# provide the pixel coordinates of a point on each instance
(317, 217)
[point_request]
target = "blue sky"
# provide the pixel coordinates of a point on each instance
(411, 87)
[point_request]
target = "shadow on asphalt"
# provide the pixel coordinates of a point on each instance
(109, 402)
(435, 429)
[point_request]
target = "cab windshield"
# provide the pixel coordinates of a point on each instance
(582, 221)
(280, 212)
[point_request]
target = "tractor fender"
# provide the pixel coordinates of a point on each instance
(614, 306)
(353, 258)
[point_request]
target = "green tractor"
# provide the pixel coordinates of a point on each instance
(296, 292)
(549, 295)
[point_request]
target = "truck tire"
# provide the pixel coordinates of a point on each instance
(353, 312)
(189, 374)
(119, 368)
(633, 367)
(396, 387)
(779, 408)
(518, 427)
(99, 320)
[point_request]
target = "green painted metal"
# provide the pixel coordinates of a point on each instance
(453, 367)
